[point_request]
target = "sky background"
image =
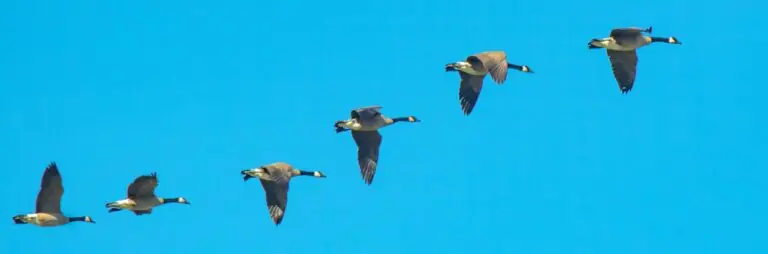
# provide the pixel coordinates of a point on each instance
(554, 162)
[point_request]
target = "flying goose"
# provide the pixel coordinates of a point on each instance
(48, 206)
(141, 197)
(364, 124)
(275, 179)
(473, 70)
(621, 46)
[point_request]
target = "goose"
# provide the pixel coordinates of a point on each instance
(621, 46)
(474, 69)
(48, 205)
(141, 197)
(364, 124)
(275, 179)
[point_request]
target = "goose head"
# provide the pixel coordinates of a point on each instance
(180, 200)
(526, 69)
(86, 219)
(673, 40)
(308, 173)
(410, 119)
(413, 119)
(670, 40)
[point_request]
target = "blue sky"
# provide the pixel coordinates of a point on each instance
(554, 162)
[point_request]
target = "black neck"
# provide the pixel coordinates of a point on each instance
(515, 66)
(81, 218)
(306, 173)
(400, 119)
(660, 39)
(170, 200)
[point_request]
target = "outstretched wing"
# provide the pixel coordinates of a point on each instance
(469, 91)
(495, 62)
(277, 199)
(624, 67)
(51, 190)
(368, 143)
(143, 186)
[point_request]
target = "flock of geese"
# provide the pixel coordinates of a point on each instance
(364, 124)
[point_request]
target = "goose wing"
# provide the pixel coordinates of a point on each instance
(143, 186)
(469, 91)
(366, 113)
(368, 143)
(278, 168)
(495, 62)
(51, 190)
(626, 36)
(624, 67)
(276, 193)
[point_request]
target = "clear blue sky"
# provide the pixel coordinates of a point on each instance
(554, 162)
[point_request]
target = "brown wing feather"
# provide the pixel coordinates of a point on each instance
(624, 67)
(279, 167)
(368, 143)
(622, 32)
(51, 190)
(469, 91)
(143, 186)
(366, 113)
(627, 36)
(139, 212)
(277, 199)
(495, 63)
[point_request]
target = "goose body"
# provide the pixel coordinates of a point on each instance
(467, 68)
(48, 206)
(275, 180)
(621, 48)
(364, 123)
(139, 204)
(473, 70)
(141, 197)
(371, 120)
